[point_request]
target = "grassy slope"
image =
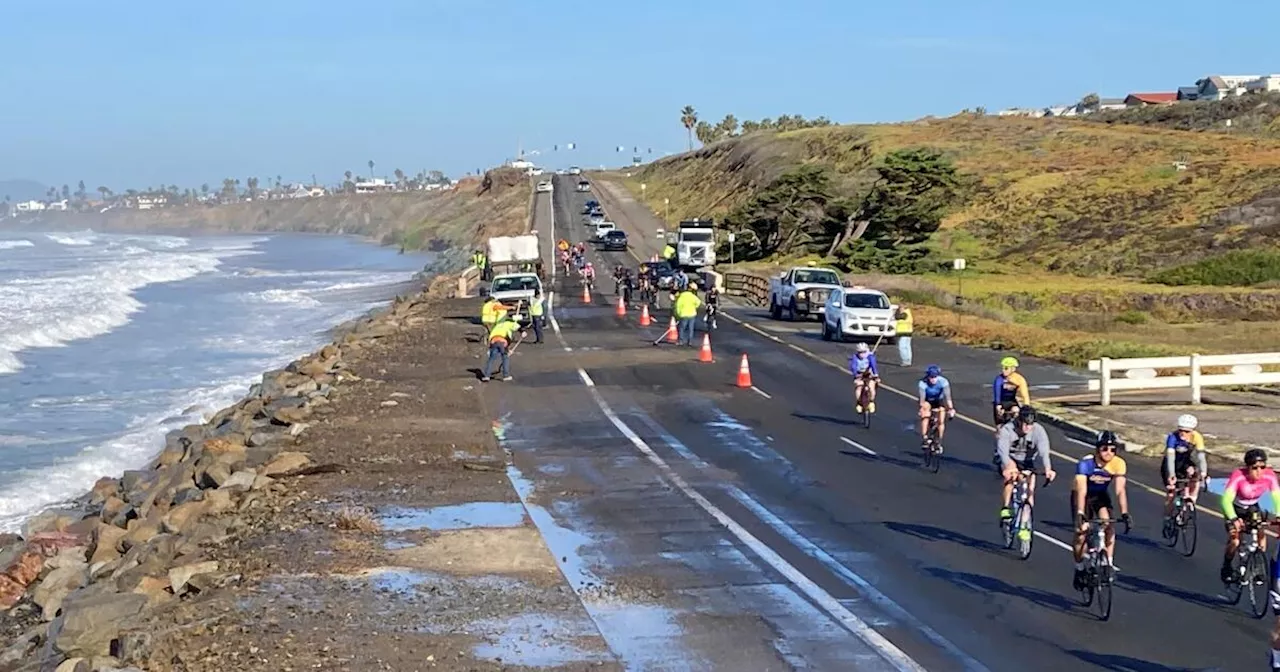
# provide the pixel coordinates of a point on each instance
(1061, 203)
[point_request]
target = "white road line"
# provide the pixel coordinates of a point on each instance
(761, 392)
(1086, 444)
(886, 649)
(857, 445)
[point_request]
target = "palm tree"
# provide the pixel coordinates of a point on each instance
(103, 191)
(371, 169)
(204, 189)
(689, 117)
(399, 176)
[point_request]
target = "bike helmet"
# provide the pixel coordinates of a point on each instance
(1009, 363)
(588, 264)
(1187, 421)
(933, 371)
(1027, 415)
(1106, 438)
(1255, 456)
(861, 348)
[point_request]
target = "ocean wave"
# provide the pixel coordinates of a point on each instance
(15, 244)
(296, 297)
(34, 490)
(76, 240)
(53, 310)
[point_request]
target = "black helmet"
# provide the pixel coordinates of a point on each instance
(1255, 456)
(1027, 415)
(1106, 438)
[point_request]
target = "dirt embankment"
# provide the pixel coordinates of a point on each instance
(472, 211)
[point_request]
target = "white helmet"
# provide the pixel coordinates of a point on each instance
(861, 347)
(1187, 421)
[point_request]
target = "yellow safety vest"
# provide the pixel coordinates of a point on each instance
(535, 307)
(907, 323)
(668, 252)
(686, 306)
(502, 331)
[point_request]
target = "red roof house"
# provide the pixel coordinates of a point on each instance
(1144, 99)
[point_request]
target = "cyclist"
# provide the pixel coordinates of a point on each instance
(562, 245)
(862, 364)
(935, 394)
(1010, 390)
(713, 305)
(565, 261)
(1020, 443)
(1091, 497)
(1245, 487)
(628, 284)
(589, 275)
(1183, 458)
(618, 274)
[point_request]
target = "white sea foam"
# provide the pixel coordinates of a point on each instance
(15, 244)
(77, 239)
(53, 310)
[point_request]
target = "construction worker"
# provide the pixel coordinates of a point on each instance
(685, 308)
(906, 324)
(491, 312)
(481, 262)
(535, 315)
(668, 251)
(500, 346)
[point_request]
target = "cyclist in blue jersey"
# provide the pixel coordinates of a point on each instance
(935, 395)
(862, 364)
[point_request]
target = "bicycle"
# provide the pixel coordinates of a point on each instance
(1251, 567)
(864, 401)
(1099, 572)
(1017, 528)
(932, 452)
(1181, 526)
(710, 318)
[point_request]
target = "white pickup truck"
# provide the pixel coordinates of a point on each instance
(516, 290)
(801, 292)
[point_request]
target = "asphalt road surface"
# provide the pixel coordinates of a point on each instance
(826, 540)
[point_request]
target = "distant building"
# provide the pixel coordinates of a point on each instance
(151, 201)
(1218, 87)
(1020, 112)
(374, 186)
(521, 164)
(1105, 104)
(29, 206)
(1187, 93)
(1145, 99)
(58, 205)
(1265, 84)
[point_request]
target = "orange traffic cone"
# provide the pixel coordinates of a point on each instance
(744, 373)
(586, 295)
(704, 355)
(673, 335)
(644, 315)
(622, 307)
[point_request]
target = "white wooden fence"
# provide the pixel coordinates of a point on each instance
(1143, 373)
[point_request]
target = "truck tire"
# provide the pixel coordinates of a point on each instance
(791, 311)
(775, 311)
(826, 333)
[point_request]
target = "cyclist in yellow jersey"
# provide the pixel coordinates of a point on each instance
(1183, 459)
(1010, 390)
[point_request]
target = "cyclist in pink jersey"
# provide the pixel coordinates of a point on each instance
(1245, 488)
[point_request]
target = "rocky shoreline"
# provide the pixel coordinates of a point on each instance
(77, 581)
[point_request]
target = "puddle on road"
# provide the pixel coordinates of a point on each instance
(456, 517)
(538, 640)
(650, 631)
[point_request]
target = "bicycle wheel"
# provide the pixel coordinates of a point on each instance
(1102, 584)
(1025, 532)
(1185, 535)
(1008, 527)
(866, 412)
(935, 458)
(1257, 581)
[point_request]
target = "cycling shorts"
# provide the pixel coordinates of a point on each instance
(1181, 463)
(1028, 463)
(936, 403)
(1093, 503)
(1246, 510)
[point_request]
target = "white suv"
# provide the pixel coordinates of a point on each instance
(858, 312)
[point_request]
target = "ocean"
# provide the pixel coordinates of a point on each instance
(108, 341)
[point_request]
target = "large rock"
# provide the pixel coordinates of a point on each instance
(290, 415)
(56, 586)
(49, 544)
(140, 532)
(116, 511)
(180, 517)
(212, 475)
(380, 329)
(74, 665)
(180, 575)
(219, 501)
(26, 568)
(90, 621)
(285, 462)
(278, 383)
(105, 487)
(55, 520)
(240, 481)
(107, 546)
(10, 592)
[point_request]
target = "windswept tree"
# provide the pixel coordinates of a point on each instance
(104, 191)
(689, 117)
(371, 164)
(1090, 102)
(399, 177)
(704, 132)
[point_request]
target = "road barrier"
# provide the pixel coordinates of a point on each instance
(467, 280)
(1145, 373)
(752, 287)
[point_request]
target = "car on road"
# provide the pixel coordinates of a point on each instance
(595, 218)
(574, 170)
(859, 312)
(516, 290)
(590, 206)
(584, 186)
(801, 292)
(545, 186)
(614, 240)
(602, 228)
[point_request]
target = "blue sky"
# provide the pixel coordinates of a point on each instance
(137, 93)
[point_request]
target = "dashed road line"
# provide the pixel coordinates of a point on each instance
(761, 392)
(857, 445)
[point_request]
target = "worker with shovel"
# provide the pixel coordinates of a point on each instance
(500, 346)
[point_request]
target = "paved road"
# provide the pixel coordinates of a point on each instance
(788, 481)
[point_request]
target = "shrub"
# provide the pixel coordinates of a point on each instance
(1132, 317)
(1237, 268)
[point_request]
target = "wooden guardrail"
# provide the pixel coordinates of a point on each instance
(1144, 373)
(752, 287)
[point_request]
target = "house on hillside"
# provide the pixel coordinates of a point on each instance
(1218, 87)
(1265, 84)
(58, 205)
(373, 186)
(1062, 111)
(29, 206)
(1020, 112)
(1105, 104)
(1145, 99)
(1187, 93)
(150, 201)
